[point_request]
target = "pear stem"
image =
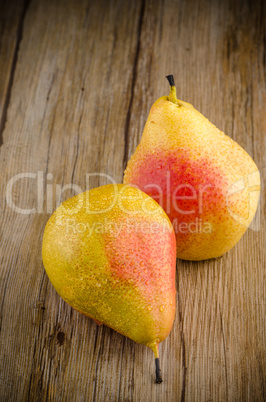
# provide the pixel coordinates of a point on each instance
(172, 95)
(158, 372)
(171, 80)
(157, 364)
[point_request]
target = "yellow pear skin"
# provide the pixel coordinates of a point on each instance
(206, 183)
(111, 254)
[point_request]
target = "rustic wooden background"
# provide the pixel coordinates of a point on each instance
(77, 79)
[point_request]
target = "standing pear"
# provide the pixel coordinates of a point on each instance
(206, 183)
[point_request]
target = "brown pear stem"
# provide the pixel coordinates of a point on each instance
(171, 80)
(158, 372)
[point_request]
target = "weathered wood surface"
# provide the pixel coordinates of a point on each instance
(77, 79)
(12, 15)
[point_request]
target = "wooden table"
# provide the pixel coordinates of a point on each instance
(77, 79)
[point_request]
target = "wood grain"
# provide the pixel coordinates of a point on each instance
(83, 79)
(11, 25)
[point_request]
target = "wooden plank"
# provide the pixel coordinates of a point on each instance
(67, 117)
(85, 78)
(215, 51)
(12, 15)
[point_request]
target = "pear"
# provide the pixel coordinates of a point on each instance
(206, 183)
(110, 253)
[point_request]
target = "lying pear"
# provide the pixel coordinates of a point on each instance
(110, 253)
(207, 184)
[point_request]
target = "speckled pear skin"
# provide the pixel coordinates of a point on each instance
(110, 253)
(208, 185)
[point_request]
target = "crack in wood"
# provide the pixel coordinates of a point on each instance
(225, 359)
(97, 359)
(261, 375)
(49, 145)
(44, 281)
(250, 90)
(3, 118)
(120, 374)
(112, 54)
(134, 76)
(77, 152)
(183, 345)
(133, 371)
(47, 100)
